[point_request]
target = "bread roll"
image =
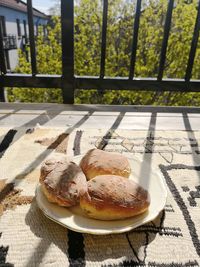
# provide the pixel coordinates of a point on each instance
(62, 181)
(99, 162)
(111, 197)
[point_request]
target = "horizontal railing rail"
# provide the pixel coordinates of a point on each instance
(68, 81)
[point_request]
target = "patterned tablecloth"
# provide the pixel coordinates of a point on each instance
(29, 239)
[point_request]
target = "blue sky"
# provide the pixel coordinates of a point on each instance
(43, 5)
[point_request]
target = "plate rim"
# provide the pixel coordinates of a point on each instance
(104, 231)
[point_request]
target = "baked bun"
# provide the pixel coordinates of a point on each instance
(99, 162)
(62, 181)
(111, 197)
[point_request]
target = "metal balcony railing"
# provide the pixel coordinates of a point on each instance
(9, 42)
(68, 81)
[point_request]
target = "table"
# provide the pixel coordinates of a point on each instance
(168, 138)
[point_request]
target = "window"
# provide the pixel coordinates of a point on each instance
(18, 28)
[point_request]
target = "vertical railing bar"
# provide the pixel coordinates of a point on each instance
(31, 37)
(135, 39)
(103, 38)
(2, 64)
(67, 31)
(165, 39)
(193, 46)
(2, 54)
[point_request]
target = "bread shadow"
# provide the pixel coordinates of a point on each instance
(47, 231)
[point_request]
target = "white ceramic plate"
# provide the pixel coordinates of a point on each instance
(73, 218)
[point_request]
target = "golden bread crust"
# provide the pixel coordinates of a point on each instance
(99, 162)
(62, 181)
(111, 197)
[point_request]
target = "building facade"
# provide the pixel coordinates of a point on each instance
(14, 28)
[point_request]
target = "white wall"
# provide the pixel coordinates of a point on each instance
(11, 28)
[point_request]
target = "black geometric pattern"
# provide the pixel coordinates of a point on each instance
(149, 144)
(193, 196)
(3, 254)
(180, 202)
(153, 264)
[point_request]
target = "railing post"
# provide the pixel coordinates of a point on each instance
(2, 64)
(31, 37)
(193, 46)
(135, 39)
(165, 39)
(67, 31)
(103, 38)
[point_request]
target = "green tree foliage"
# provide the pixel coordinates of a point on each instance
(88, 26)
(48, 62)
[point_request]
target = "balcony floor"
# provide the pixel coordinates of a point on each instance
(100, 116)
